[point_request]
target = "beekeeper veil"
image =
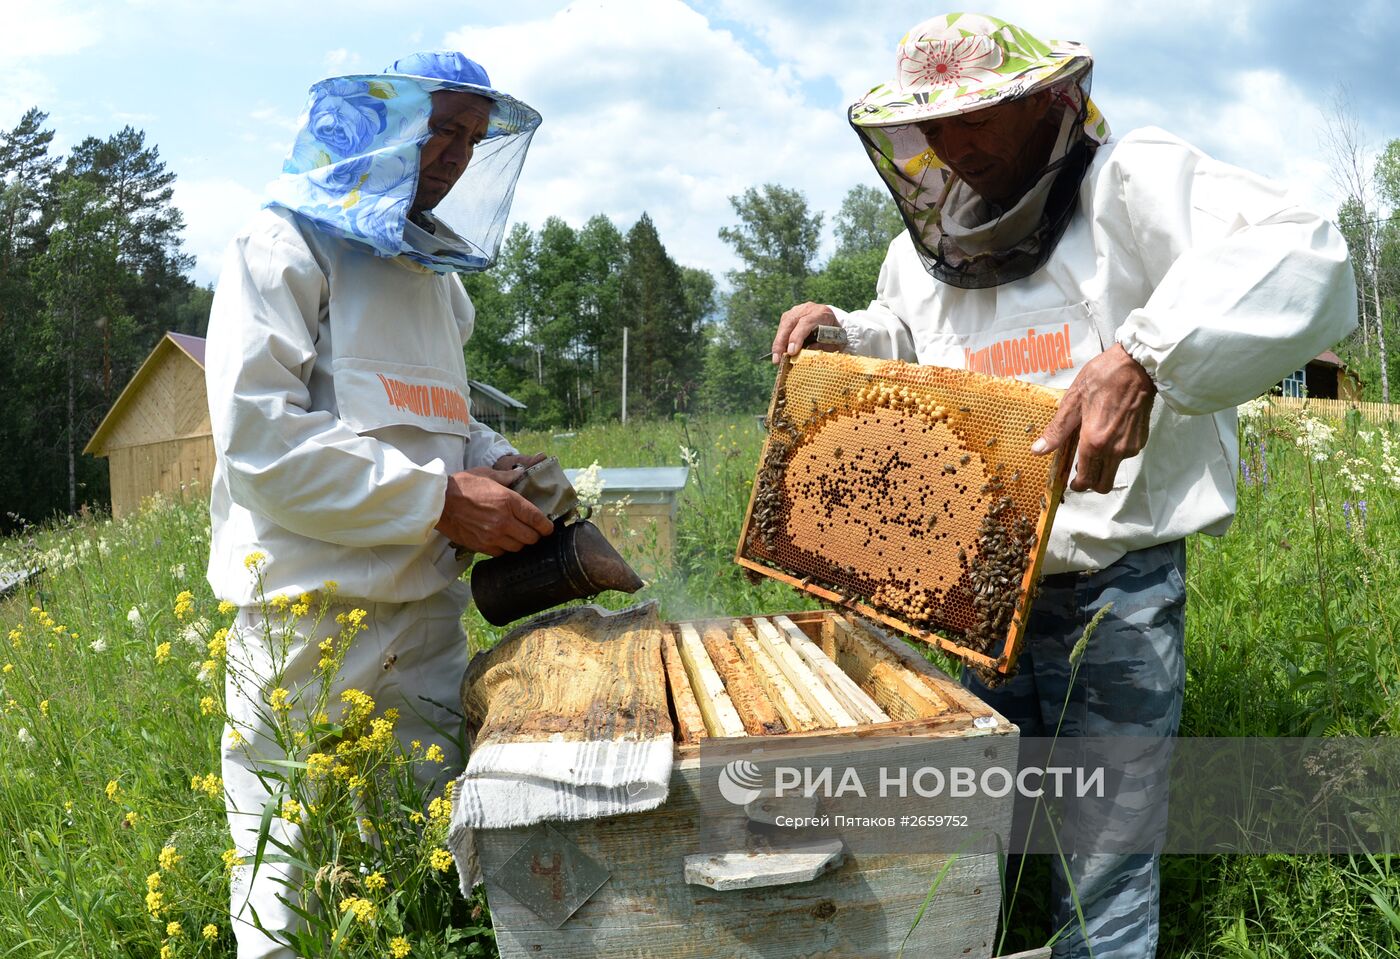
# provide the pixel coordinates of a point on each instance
(948, 69)
(354, 167)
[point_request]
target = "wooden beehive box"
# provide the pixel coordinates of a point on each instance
(908, 494)
(800, 676)
(638, 510)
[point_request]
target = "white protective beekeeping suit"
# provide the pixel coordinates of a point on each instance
(340, 406)
(1206, 274)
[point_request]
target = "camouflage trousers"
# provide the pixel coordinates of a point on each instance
(1129, 682)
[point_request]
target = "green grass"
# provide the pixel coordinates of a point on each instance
(1292, 630)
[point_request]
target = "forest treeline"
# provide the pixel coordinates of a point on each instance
(92, 274)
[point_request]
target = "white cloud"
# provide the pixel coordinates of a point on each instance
(52, 28)
(340, 60)
(215, 208)
(648, 107)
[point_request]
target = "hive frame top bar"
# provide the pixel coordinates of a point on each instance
(908, 494)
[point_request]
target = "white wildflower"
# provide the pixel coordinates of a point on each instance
(1314, 437)
(178, 571)
(104, 548)
(98, 645)
(588, 484)
(206, 671)
(133, 616)
(689, 457)
(195, 632)
(24, 737)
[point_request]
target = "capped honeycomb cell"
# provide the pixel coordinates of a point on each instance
(908, 493)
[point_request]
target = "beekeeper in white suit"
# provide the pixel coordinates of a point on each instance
(346, 450)
(1161, 288)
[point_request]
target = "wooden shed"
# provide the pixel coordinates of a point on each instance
(156, 436)
(500, 411)
(1324, 377)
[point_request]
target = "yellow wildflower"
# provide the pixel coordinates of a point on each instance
(364, 910)
(415, 745)
(167, 951)
(9, 668)
(278, 699)
(331, 586)
(318, 765)
(254, 560)
(280, 603)
(162, 652)
(341, 771)
(367, 825)
(231, 859)
(434, 754)
(399, 947)
(441, 860)
(131, 818)
(153, 882)
(210, 931)
(225, 607)
(155, 903)
(375, 881)
(112, 790)
(291, 811)
(381, 734)
(207, 706)
(184, 605)
(168, 858)
(440, 810)
(321, 719)
(211, 785)
(208, 670)
(174, 930)
(218, 644)
(359, 705)
(44, 707)
(356, 783)
(391, 714)
(415, 817)
(235, 738)
(15, 636)
(300, 609)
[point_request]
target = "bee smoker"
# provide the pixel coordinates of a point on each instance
(574, 562)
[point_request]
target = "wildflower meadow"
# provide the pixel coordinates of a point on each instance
(114, 664)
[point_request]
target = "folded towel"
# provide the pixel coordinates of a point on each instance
(568, 720)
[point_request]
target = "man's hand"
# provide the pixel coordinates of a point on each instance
(482, 515)
(1110, 405)
(513, 461)
(797, 324)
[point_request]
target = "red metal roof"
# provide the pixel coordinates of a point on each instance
(193, 345)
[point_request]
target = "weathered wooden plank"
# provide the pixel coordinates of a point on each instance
(864, 908)
(857, 702)
(812, 690)
(900, 692)
(1042, 953)
(689, 721)
(950, 691)
(721, 719)
(756, 711)
(793, 709)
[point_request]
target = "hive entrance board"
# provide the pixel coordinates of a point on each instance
(908, 493)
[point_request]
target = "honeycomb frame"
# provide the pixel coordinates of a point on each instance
(854, 448)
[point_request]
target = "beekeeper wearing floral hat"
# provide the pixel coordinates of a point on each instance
(1156, 285)
(349, 466)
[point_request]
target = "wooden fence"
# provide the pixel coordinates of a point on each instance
(1337, 409)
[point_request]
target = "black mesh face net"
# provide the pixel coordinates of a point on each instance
(924, 185)
(468, 223)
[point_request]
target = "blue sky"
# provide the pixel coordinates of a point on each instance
(672, 107)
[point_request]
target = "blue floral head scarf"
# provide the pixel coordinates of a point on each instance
(353, 168)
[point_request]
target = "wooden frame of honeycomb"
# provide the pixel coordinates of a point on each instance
(908, 494)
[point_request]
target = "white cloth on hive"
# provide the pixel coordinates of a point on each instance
(562, 744)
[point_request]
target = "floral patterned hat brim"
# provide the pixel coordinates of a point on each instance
(353, 167)
(957, 63)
